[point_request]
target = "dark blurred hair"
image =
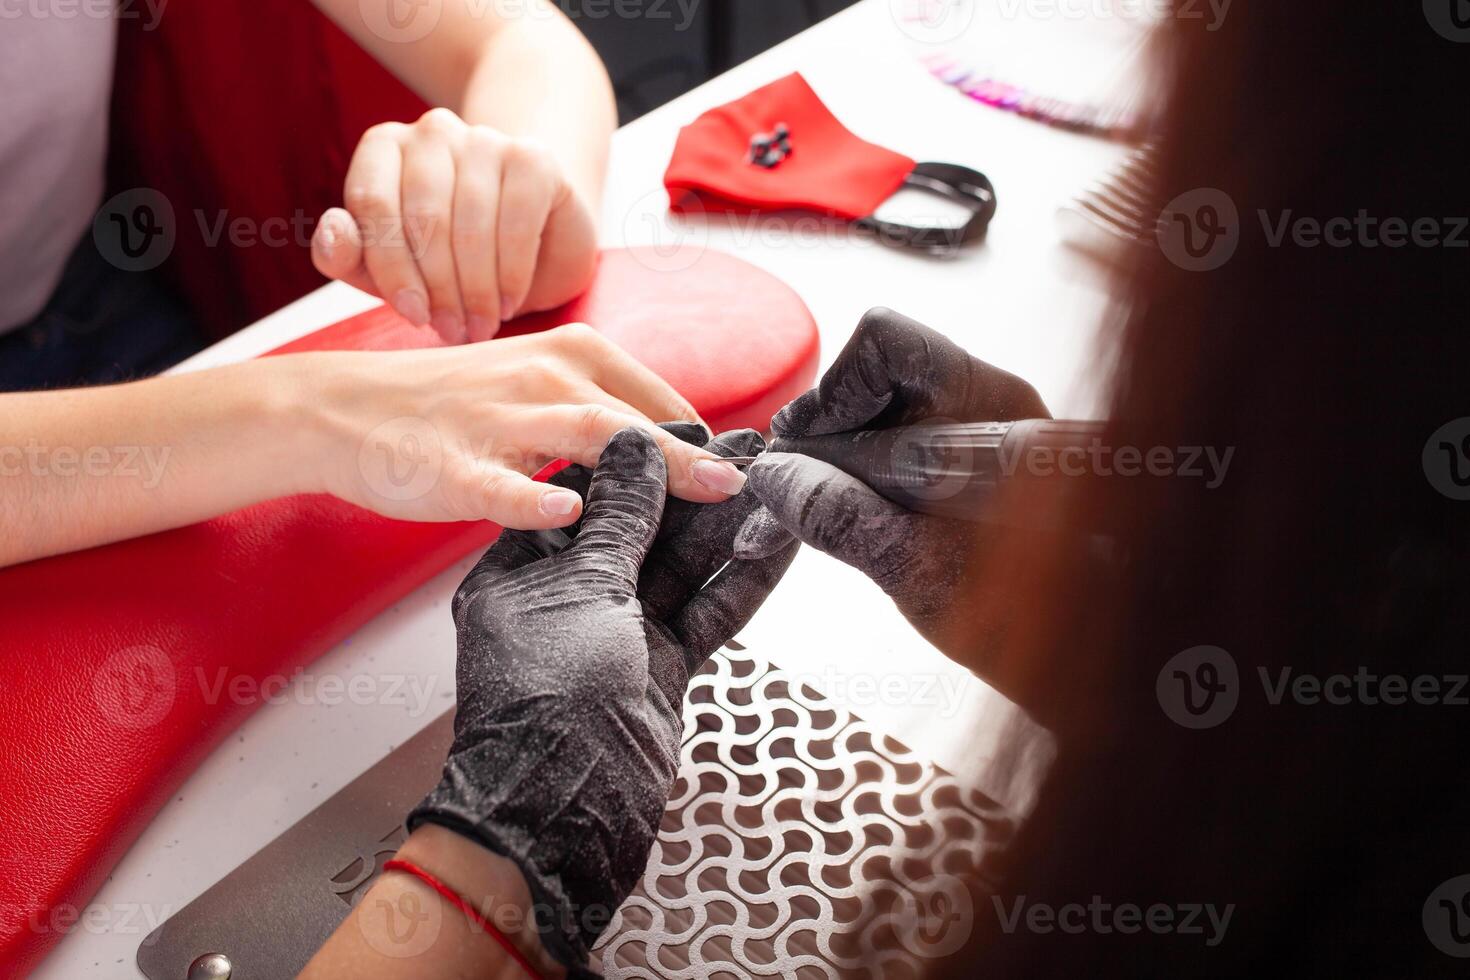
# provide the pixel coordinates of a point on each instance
(1327, 549)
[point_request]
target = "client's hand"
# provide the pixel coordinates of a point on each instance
(575, 650)
(456, 225)
(455, 434)
(892, 372)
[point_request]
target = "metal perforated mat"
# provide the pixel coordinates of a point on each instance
(798, 843)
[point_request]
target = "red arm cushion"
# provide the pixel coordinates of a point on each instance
(110, 655)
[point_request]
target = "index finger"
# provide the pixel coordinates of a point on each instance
(624, 377)
(580, 433)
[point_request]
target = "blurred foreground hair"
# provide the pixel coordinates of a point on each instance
(1326, 361)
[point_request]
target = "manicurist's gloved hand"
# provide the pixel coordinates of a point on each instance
(892, 372)
(575, 650)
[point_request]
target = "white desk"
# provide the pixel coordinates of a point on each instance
(1020, 301)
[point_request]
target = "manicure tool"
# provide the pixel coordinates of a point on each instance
(954, 469)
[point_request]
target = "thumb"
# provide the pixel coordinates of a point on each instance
(761, 535)
(336, 250)
(831, 511)
(625, 504)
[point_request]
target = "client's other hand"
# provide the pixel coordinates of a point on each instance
(459, 226)
(892, 372)
(575, 650)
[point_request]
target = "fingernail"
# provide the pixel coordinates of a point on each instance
(719, 477)
(448, 325)
(328, 237)
(412, 306)
(559, 503)
(507, 308)
(482, 327)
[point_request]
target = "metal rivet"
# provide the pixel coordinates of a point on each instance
(211, 966)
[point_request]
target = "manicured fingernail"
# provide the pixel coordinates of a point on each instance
(450, 326)
(559, 503)
(719, 477)
(482, 327)
(507, 307)
(412, 306)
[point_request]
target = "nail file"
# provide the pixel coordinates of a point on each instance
(953, 469)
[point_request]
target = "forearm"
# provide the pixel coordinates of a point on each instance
(522, 68)
(539, 78)
(89, 466)
(403, 928)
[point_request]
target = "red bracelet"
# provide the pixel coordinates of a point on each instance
(454, 898)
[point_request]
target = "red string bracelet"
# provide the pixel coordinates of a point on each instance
(454, 898)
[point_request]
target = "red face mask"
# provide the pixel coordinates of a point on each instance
(780, 148)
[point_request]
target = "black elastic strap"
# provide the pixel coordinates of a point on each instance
(969, 188)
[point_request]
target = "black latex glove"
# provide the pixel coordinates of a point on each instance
(575, 650)
(892, 372)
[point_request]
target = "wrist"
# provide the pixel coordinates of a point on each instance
(258, 407)
(490, 884)
(298, 413)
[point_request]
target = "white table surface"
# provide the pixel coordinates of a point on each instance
(1021, 300)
